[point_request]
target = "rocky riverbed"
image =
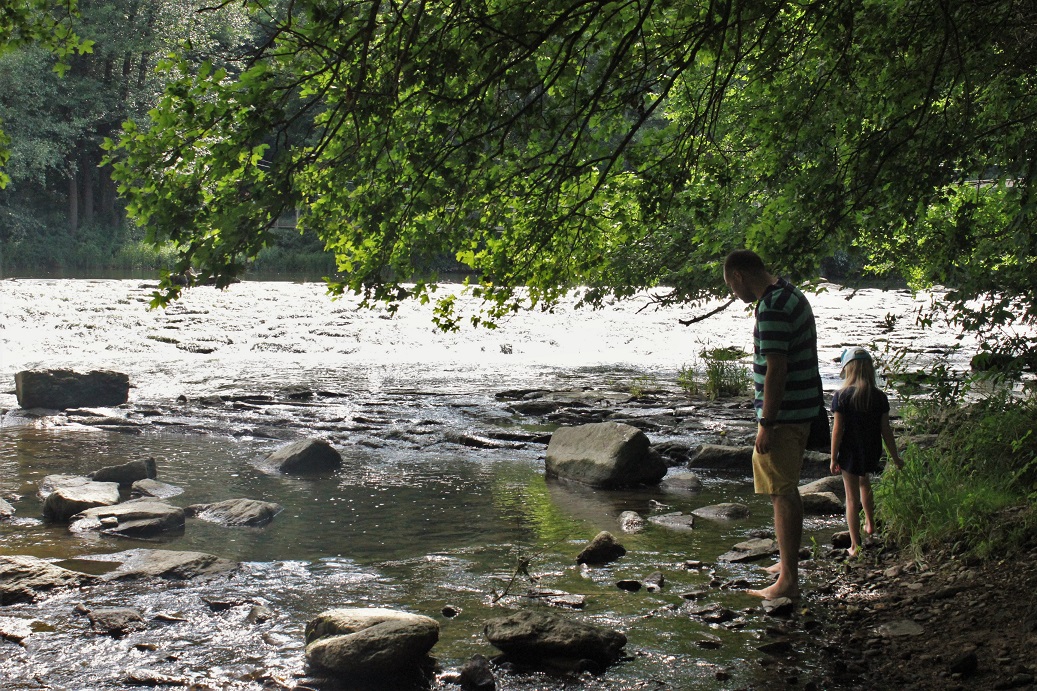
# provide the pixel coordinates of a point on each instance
(441, 507)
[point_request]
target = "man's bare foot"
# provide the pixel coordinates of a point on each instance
(774, 592)
(774, 568)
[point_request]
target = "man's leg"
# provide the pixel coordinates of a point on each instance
(788, 529)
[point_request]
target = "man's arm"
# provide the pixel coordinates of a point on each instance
(773, 393)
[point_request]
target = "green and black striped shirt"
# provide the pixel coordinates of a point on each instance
(785, 325)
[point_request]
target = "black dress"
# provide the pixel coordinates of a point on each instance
(861, 448)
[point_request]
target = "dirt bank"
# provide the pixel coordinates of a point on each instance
(894, 621)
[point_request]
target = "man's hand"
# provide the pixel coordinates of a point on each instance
(763, 440)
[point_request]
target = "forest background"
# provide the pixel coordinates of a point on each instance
(597, 146)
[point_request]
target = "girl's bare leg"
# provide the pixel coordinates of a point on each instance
(868, 501)
(852, 485)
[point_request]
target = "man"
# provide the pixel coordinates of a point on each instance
(787, 398)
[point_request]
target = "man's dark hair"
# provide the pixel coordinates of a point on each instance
(744, 260)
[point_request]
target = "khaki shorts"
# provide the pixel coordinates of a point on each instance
(777, 472)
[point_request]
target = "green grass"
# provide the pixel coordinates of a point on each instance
(717, 373)
(974, 487)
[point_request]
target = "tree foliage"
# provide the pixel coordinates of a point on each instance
(49, 24)
(607, 145)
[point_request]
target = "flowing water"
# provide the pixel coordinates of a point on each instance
(222, 378)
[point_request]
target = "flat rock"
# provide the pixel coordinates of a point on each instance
(830, 483)
(67, 501)
(750, 550)
(735, 459)
(6, 510)
(155, 489)
(236, 512)
(533, 636)
(22, 578)
(139, 518)
(675, 520)
(729, 511)
(59, 389)
(161, 563)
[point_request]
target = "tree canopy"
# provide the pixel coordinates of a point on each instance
(607, 145)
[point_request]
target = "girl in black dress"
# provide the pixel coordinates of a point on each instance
(861, 425)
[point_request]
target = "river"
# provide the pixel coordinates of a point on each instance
(221, 378)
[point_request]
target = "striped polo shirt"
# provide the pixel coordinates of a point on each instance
(785, 324)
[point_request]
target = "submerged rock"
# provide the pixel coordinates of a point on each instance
(22, 578)
(535, 637)
(304, 457)
(6, 510)
(236, 512)
(601, 550)
(115, 621)
(728, 511)
(127, 473)
(161, 563)
(59, 389)
(607, 454)
(369, 643)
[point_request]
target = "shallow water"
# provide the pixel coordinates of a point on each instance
(409, 522)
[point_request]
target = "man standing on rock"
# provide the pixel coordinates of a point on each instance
(786, 380)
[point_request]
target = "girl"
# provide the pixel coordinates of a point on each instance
(861, 424)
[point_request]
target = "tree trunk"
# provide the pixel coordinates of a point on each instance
(73, 202)
(87, 176)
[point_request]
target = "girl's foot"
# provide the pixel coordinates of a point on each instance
(852, 551)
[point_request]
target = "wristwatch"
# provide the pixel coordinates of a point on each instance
(764, 422)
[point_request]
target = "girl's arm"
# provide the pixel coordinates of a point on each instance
(837, 439)
(891, 442)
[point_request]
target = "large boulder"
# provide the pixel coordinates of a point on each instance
(22, 578)
(127, 473)
(304, 457)
(236, 512)
(368, 643)
(531, 636)
(139, 518)
(67, 501)
(59, 389)
(605, 454)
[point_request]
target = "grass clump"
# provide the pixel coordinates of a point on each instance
(970, 481)
(716, 373)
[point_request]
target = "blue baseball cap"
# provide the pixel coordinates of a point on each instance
(851, 354)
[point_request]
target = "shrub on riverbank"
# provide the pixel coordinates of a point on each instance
(963, 489)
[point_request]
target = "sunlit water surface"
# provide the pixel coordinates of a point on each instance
(404, 524)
